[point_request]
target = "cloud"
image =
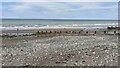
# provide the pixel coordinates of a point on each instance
(50, 6)
(60, 9)
(97, 6)
(20, 7)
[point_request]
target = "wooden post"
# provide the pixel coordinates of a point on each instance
(95, 32)
(87, 32)
(104, 32)
(114, 32)
(60, 32)
(73, 32)
(50, 32)
(42, 32)
(37, 33)
(55, 31)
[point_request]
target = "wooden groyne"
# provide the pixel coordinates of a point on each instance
(113, 28)
(49, 32)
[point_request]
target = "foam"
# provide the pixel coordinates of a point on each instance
(85, 26)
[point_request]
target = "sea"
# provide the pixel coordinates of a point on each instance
(13, 24)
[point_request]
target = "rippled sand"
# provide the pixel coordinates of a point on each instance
(63, 51)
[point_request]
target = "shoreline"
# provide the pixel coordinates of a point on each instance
(113, 30)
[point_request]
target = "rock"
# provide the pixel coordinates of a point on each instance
(66, 59)
(58, 62)
(83, 61)
(21, 49)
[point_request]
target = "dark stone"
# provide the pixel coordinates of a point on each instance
(66, 59)
(75, 64)
(68, 56)
(21, 49)
(76, 61)
(58, 62)
(26, 66)
(106, 48)
(89, 55)
(86, 52)
(10, 61)
(83, 61)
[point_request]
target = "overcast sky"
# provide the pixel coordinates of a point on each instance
(60, 10)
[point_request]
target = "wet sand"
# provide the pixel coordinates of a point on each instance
(99, 30)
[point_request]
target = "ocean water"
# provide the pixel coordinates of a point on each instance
(54, 23)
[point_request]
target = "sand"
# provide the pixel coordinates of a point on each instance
(97, 50)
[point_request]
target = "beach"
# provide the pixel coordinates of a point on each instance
(59, 34)
(61, 49)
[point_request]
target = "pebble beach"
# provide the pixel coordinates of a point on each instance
(56, 33)
(97, 50)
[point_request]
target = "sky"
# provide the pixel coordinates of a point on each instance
(60, 0)
(59, 10)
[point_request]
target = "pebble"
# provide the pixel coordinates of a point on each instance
(93, 52)
(63, 49)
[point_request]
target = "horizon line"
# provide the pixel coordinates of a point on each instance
(56, 19)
